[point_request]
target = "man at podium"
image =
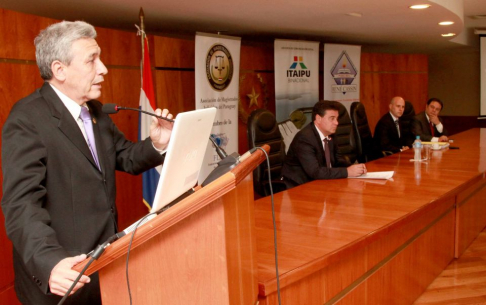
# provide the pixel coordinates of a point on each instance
(59, 155)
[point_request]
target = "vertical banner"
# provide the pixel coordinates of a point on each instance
(296, 76)
(341, 73)
(217, 74)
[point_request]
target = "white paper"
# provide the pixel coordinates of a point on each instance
(376, 175)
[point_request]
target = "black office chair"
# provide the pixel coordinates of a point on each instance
(344, 136)
(406, 121)
(263, 129)
(301, 116)
(365, 147)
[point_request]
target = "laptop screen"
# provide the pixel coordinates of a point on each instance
(184, 156)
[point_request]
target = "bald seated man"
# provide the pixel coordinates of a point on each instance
(389, 134)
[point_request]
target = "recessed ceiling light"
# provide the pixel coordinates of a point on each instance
(446, 22)
(419, 6)
(449, 35)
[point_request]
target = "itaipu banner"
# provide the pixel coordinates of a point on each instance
(217, 81)
(296, 76)
(341, 73)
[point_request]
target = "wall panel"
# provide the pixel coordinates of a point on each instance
(18, 32)
(175, 90)
(174, 53)
(384, 76)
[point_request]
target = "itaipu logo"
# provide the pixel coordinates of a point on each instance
(343, 73)
(294, 72)
(219, 67)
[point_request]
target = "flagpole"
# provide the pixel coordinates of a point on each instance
(142, 28)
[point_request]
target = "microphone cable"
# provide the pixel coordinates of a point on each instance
(274, 223)
(128, 252)
(94, 256)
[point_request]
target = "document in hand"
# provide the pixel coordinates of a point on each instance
(376, 175)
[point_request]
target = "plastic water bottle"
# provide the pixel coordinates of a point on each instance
(417, 148)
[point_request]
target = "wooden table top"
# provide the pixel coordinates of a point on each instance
(320, 220)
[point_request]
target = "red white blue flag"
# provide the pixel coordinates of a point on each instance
(147, 103)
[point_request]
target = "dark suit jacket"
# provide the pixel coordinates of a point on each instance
(56, 202)
(306, 161)
(386, 135)
(421, 127)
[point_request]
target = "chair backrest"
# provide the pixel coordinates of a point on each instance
(406, 119)
(301, 117)
(263, 129)
(344, 136)
(362, 132)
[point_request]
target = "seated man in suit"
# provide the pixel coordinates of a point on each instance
(389, 134)
(313, 153)
(428, 125)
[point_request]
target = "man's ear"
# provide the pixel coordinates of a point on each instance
(58, 70)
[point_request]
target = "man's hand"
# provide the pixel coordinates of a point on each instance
(404, 148)
(160, 130)
(443, 139)
(62, 276)
(434, 119)
(356, 170)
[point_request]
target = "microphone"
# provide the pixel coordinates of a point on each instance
(113, 108)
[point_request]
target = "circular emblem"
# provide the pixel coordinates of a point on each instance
(219, 67)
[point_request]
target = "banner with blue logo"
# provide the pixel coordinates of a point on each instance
(217, 82)
(296, 76)
(341, 73)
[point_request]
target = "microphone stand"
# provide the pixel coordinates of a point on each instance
(226, 164)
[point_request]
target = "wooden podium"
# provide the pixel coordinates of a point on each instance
(200, 251)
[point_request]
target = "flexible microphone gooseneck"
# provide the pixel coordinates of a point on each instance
(113, 108)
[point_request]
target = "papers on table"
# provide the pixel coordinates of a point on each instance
(376, 175)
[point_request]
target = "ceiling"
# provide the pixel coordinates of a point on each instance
(384, 25)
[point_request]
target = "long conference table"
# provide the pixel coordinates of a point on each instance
(357, 241)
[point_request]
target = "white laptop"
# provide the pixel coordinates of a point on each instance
(183, 159)
(184, 156)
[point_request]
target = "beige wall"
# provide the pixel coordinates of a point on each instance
(454, 78)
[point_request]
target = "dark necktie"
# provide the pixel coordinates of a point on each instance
(88, 128)
(327, 153)
(432, 129)
(398, 127)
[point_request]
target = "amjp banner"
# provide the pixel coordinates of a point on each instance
(341, 73)
(217, 74)
(296, 76)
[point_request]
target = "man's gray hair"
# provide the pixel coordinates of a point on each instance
(55, 42)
